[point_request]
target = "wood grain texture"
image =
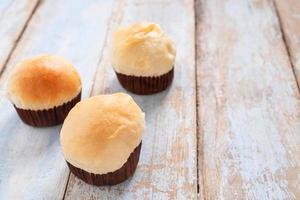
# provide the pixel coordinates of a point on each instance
(249, 104)
(168, 161)
(14, 16)
(31, 163)
(289, 15)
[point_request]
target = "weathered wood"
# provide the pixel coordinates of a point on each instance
(168, 162)
(14, 16)
(249, 104)
(289, 15)
(31, 163)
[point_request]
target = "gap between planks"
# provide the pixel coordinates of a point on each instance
(288, 50)
(65, 191)
(107, 33)
(198, 137)
(37, 5)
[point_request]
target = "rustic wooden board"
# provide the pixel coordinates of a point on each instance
(14, 16)
(248, 100)
(31, 163)
(249, 104)
(168, 162)
(289, 15)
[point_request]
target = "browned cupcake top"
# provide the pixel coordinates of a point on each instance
(43, 82)
(101, 132)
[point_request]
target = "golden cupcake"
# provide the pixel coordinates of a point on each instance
(143, 58)
(101, 138)
(43, 89)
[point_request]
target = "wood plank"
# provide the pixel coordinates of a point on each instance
(249, 104)
(289, 15)
(168, 162)
(31, 163)
(14, 16)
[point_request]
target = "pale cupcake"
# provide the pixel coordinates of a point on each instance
(143, 58)
(43, 89)
(101, 138)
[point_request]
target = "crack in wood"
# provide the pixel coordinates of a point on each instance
(200, 175)
(283, 35)
(196, 86)
(112, 20)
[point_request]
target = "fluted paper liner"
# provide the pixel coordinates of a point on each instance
(47, 117)
(111, 178)
(146, 85)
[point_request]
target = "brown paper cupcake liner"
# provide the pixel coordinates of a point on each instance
(146, 85)
(49, 117)
(111, 178)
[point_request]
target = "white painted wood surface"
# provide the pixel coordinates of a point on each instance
(249, 103)
(31, 163)
(14, 16)
(289, 15)
(168, 163)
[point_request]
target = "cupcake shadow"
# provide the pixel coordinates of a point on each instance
(148, 103)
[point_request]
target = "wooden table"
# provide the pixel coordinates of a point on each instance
(227, 128)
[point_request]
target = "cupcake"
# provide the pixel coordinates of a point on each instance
(101, 138)
(43, 90)
(143, 58)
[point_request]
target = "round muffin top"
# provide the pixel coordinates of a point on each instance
(101, 132)
(142, 50)
(43, 82)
